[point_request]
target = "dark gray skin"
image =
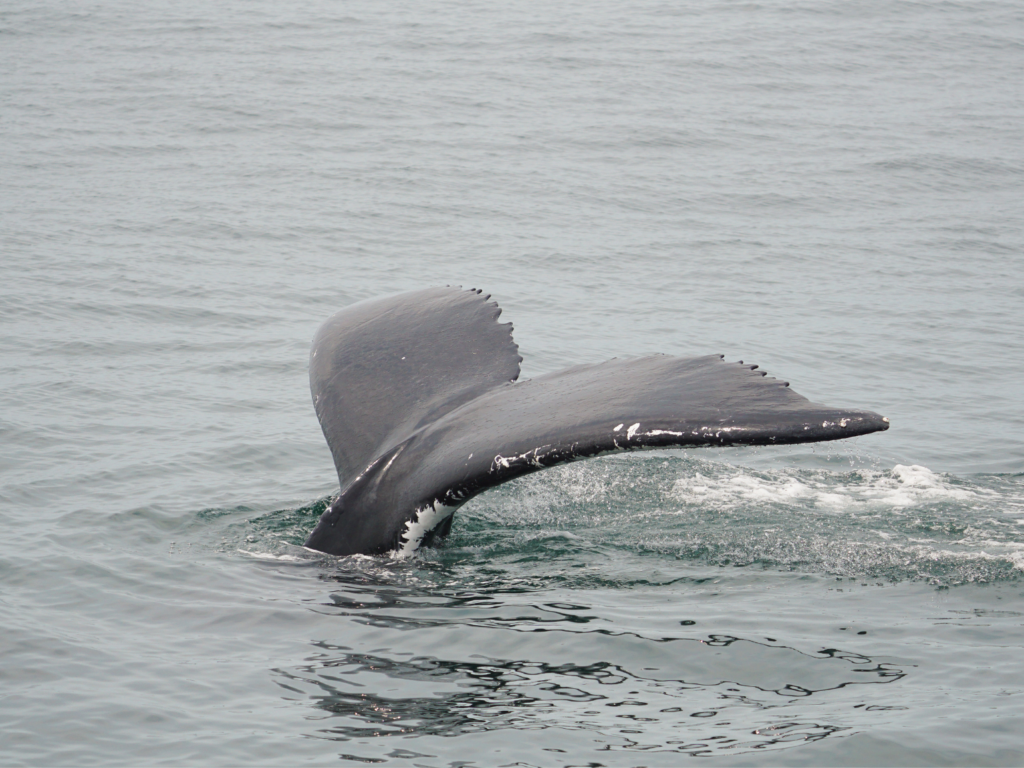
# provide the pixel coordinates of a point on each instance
(418, 400)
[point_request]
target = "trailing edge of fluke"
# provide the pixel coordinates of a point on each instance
(419, 401)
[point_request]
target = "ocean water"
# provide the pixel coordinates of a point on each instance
(830, 190)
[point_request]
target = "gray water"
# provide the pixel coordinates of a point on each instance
(830, 190)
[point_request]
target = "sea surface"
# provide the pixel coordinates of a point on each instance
(831, 190)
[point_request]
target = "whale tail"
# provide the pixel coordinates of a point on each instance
(418, 399)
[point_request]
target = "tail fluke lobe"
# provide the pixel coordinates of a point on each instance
(380, 369)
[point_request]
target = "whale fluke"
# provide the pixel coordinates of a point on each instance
(418, 399)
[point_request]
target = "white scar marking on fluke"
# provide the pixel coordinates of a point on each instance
(427, 519)
(656, 432)
(530, 457)
(617, 428)
(632, 430)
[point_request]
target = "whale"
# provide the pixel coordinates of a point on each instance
(419, 398)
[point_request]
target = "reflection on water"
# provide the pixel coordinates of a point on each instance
(696, 695)
(431, 696)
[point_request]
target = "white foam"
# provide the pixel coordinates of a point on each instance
(948, 555)
(903, 486)
(277, 558)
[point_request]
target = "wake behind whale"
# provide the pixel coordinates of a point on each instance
(418, 397)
